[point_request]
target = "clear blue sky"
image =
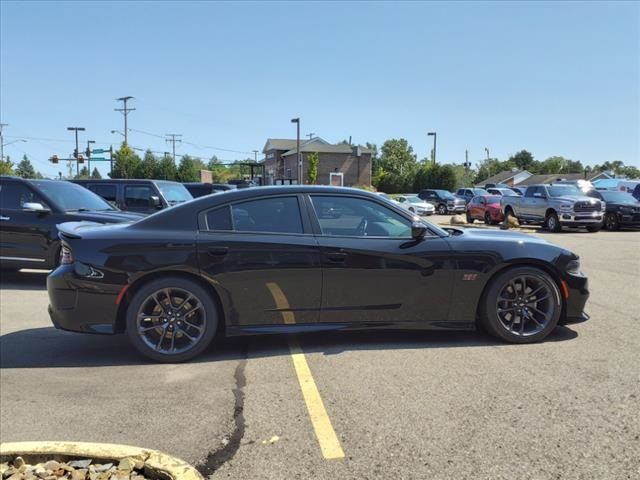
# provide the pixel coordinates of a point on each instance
(552, 78)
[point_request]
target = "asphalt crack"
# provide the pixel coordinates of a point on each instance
(219, 457)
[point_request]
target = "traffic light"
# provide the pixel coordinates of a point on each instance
(54, 159)
(75, 153)
(88, 152)
(80, 158)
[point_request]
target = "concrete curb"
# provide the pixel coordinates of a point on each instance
(157, 461)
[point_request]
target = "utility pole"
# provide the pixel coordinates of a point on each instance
(299, 159)
(88, 152)
(76, 152)
(434, 135)
(255, 156)
(125, 111)
(173, 138)
(310, 135)
(487, 150)
(2, 125)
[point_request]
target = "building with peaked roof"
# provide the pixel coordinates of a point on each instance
(556, 177)
(507, 177)
(347, 164)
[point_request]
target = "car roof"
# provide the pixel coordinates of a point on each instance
(123, 180)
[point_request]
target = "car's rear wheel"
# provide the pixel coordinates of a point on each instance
(552, 222)
(442, 209)
(487, 218)
(470, 219)
(171, 320)
(522, 305)
(611, 222)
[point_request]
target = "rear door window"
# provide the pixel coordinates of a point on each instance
(108, 192)
(138, 196)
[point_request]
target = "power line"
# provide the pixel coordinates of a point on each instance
(125, 111)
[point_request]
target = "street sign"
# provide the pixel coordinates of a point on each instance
(99, 159)
(98, 150)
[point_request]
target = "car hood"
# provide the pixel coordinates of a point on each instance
(85, 228)
(624, 204)
(457, 200)
(109, 216)
(575, 198)
(499, 236)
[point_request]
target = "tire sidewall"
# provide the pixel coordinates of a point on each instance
(611, 225)
(198, 291)
(442, 210)
(489, 316)
(553, 222)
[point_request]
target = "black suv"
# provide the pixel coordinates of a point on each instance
(622, 209)
(201, 189)
(30, 211)
(443, 201)
(142, 196)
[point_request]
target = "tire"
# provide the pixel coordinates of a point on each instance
(594, 228)
(442, 209)
(469, 219)
(611, 222)
(487, 219)
(526, 324)
(553, 223)
(168, 323)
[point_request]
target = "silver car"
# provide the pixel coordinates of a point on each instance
(416, 205)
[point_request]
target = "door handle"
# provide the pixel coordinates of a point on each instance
(218, 251)
(4, 219)
(336, 257)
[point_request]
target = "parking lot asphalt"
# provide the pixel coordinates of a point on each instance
(403, 404)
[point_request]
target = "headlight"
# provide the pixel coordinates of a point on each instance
(574, 266)
(566, 206)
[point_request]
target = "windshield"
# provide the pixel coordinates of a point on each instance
(562, 190)
(621, 197)
(69, 196)
(445, 194)
(414, 200)
(174, 192)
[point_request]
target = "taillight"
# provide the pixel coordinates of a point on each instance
(66, 257)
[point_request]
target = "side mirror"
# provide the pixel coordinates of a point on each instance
(35, 207)
(418, 230)
(154, 201)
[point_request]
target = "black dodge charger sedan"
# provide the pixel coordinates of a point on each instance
(304, 258)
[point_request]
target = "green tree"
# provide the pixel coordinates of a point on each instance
(312, 174)
(25, 169)
(392, 182)
(397, 157)
(464, 177)
(83, 174)
(148, 167)
(126, 163)
(523, 160)
(96, 174)
(167, 169)
(188, 170)
(6, 167)
(438, 176)
(554, 164)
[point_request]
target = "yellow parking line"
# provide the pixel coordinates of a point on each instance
(326, 435)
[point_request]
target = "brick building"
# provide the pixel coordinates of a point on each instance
(348, 164)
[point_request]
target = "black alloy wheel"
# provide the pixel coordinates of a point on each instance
(171, 320)
(611, 222)
(522, 305)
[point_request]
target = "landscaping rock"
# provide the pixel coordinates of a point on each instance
(458, 220)
(130, 468)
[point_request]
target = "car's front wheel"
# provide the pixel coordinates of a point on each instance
(553, 223)
(171, 320)
(522, 305)
(442, 209)
(487, 219)
(470, 219)
(611, 222)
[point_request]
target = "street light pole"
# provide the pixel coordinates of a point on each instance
(2, 125)
(299, 159)
(76, 130)
(255, 156)
(89, 142)
(434, 135)
(487, 150)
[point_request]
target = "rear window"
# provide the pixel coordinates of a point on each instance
(266, 215)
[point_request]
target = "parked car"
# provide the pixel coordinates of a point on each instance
(198, 189)
(261, 260)
(443, 201)
(30, 211)
(495, 185)
(486, 208)
(416, 205)
(555, 206)
(622, 209)
(143, 196)
(468, 193)
(518, 190)
(388, 198)
(501, 192)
